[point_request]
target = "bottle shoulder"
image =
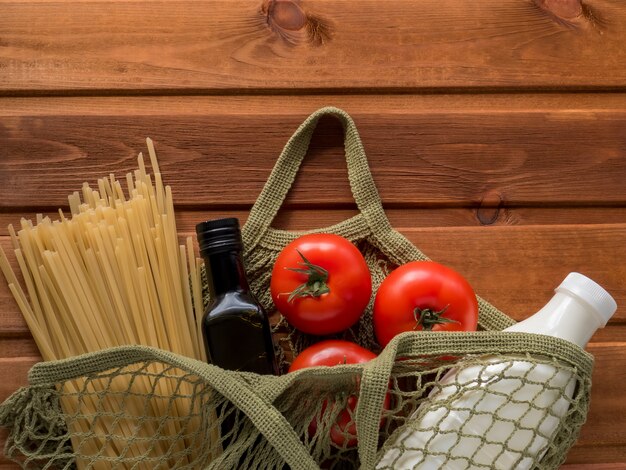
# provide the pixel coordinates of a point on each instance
(234, 303)
(564, 317)
(236, 296)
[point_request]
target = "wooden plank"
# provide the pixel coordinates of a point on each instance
(268, 45)
(14, 347)
(514, 267)
(605, 426)
(556, 155)
(300, 104)
(607, 404)
(312, 217)
(599, 466)
(14, 374)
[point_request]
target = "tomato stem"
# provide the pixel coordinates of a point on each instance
(315, 286)
(427, 317)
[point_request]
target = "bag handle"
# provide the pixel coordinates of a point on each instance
(286, 168)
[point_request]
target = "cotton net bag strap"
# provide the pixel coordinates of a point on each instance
(284, 173)
(371, 218)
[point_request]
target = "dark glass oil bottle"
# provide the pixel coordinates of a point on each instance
(236, 329)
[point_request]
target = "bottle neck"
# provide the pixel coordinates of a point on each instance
(225, 272)
(565, 316)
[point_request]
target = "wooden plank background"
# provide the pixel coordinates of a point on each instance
(243, 45)
(496, 133)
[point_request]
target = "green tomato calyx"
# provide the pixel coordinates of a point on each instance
(427, 318)
(315, 286)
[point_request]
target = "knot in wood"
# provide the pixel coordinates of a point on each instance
(563, 9)
(288, 20)
(489, 208)
(285, 14)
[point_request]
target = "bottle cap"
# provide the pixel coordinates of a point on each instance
(601, 302)
(219, 235)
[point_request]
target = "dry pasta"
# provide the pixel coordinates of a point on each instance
(112, 274)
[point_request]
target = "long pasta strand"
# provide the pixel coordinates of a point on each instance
(111, 274)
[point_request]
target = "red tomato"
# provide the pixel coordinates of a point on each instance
(423, 295)
(332, 353)
(321, 283)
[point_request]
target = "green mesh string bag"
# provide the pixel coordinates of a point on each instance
(370, 230)
(485, 399)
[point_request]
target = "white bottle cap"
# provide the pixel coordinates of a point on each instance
(601, 302)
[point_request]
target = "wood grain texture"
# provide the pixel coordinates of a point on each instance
(267, 45)
(495, 131)
(586, 466)
(401, 218)
(16, 347)
(14, 373)
(420, 156)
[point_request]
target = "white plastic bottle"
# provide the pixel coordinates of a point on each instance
(478, 430)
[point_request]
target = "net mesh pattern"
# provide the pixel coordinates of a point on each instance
(495, 412)
(380, 261)
(117, 409)
(290, 341)
(430, 399)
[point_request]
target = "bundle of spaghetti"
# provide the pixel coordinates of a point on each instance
(113, 274)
